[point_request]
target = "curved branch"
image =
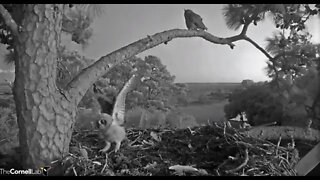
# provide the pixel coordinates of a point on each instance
(245, 29)
(271, 59)
(258, 47)
(81, 83)
(8, 20)
(241, 36)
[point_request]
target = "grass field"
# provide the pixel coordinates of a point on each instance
(4, 88)
(211, 111)
(197, 89)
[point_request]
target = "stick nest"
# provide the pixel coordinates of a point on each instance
(213, 150)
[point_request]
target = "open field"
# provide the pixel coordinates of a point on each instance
(197, 89)
(211, 111)
(204, 112)
(4, 88)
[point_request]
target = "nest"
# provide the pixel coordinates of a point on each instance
(212, 150)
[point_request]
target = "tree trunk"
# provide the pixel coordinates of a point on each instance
(44, 115)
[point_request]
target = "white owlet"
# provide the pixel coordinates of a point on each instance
(193, 20)
(110, 126)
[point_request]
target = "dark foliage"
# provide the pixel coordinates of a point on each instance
(259, 102)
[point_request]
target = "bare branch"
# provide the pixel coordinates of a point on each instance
(258, 47)
(241, 36)
(245, 28)
(271, 59)
(8, 20)
(81, 83)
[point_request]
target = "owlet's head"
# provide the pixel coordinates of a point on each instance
(104, 121)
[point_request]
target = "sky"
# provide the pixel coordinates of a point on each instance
(189, 59)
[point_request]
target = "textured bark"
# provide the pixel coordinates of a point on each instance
(44, 116)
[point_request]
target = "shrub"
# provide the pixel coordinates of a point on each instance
(259, 102)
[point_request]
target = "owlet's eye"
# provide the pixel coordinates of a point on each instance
(103, 121)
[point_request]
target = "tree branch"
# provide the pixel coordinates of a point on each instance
(245, 28)
(258, 47)
(82, 82)
(271, 59)
(9, 21)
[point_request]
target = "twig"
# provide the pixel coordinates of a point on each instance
(224, 132)
(246, 159)
(222, 164)
(247, 145)
(132, 142)
(292, 142)
(105, 164)
(208, 121)
(74, 171)
(192, 132)
(278, 144)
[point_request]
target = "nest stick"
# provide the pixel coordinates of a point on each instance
(74, 171)
(106, 163)
(278, 144)
(246, 159)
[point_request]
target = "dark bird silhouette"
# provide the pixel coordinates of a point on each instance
(193, 20)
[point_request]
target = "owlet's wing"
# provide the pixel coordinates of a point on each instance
(119, 107)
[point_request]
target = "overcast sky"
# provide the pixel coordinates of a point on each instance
(189, 59)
